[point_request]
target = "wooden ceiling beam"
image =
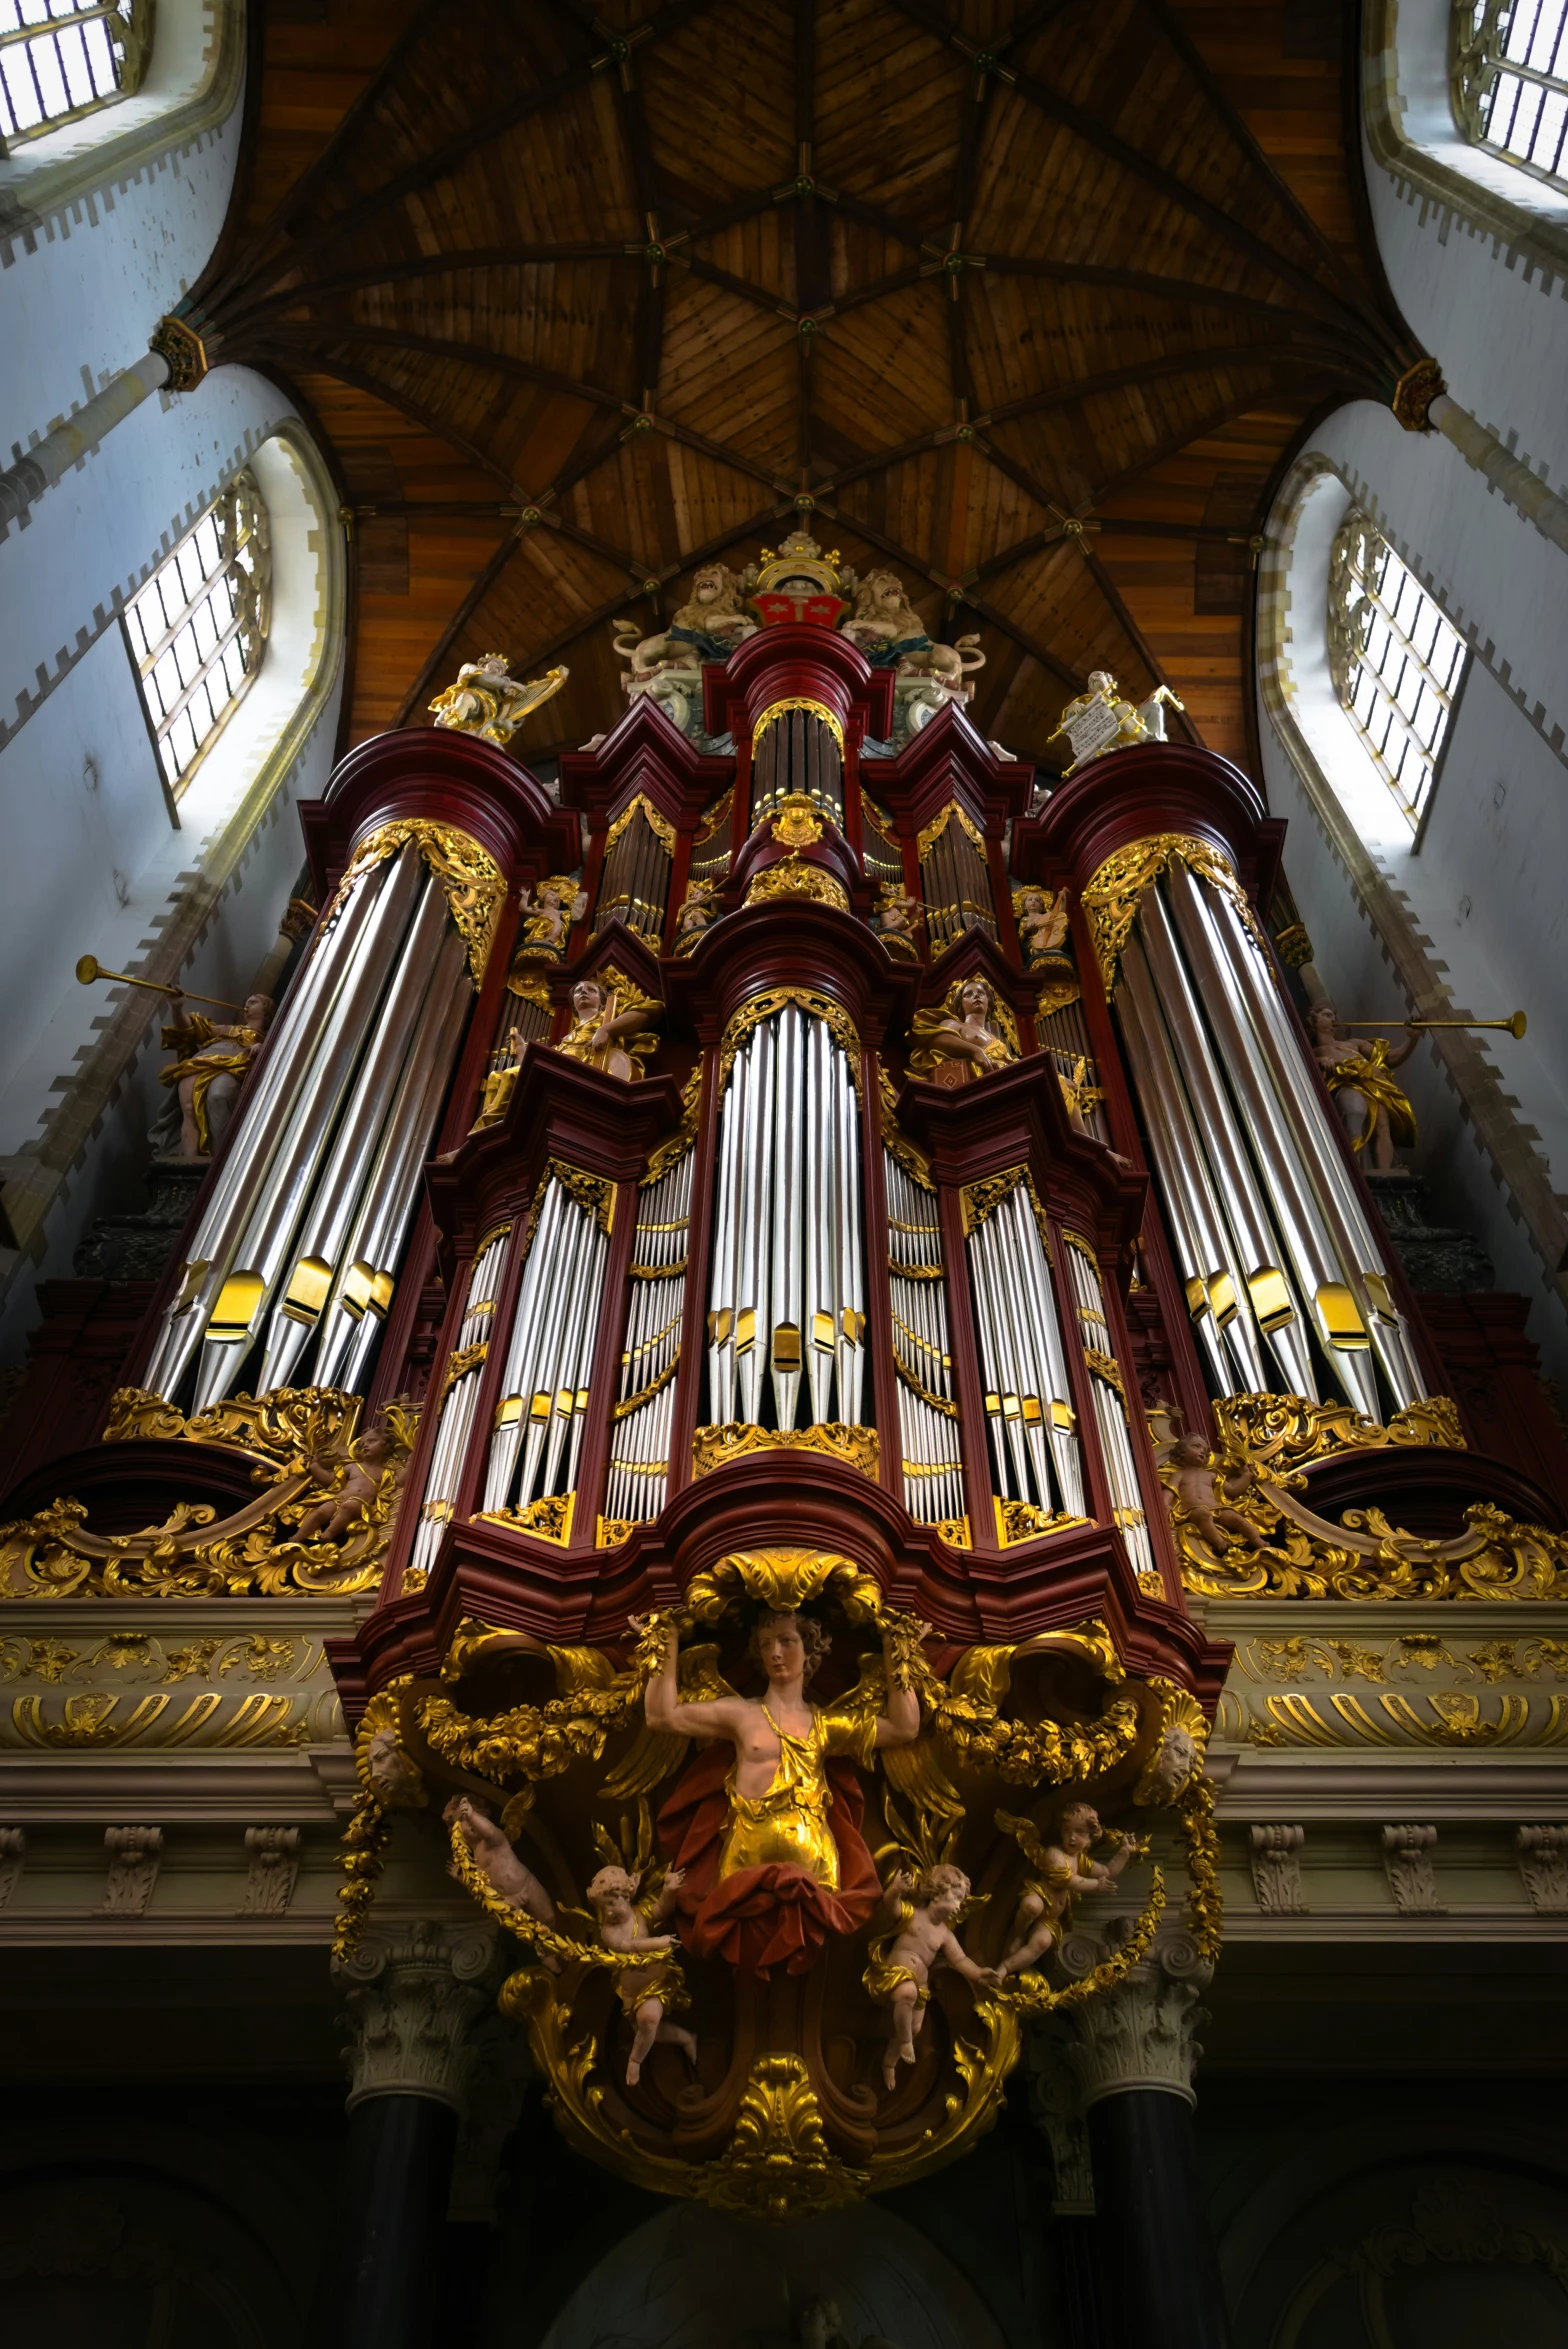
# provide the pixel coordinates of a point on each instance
(435, 659)
(415, 266)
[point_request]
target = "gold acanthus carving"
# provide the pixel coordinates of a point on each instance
(894, 1139)
(799, 701)
(659, 825)
(671, 1153)
(115, 1692)
(762, 1007)
(1111, 900)
(926, 840)
(796, 823)
(1288, 1551)
(716, 1447)
(595, 1192)
(475, 889)
(793, 877)
(303, 1439)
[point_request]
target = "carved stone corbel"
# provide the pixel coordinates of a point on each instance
(1412, 1878)
(13, 1853)
(1276, 1869)
(417, 1994)
(1543, 1864)
(274, 1867)
(134, 1856)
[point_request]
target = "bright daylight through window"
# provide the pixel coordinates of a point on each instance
(1510, 80)
(198, 627)
(1396, 660)
(61, 59)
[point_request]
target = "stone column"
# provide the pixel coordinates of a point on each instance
(415, 1997)
(1130, 2054)
(1053, 2100)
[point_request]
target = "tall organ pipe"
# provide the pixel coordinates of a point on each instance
(1358, 1239)
(1308, 1144)
(262, 1249)
(263, 1114)
(513, 1411)
(1297, 1211)
(1193, 1216)
(784, 1302)
(319, 1247)
(362, 1286)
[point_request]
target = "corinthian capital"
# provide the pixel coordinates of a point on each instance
(1139, 2033)
(414, 1999)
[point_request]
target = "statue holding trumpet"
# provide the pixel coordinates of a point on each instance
(1358, 1073)
(212, 1060)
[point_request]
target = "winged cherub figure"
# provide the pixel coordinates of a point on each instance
(646, 1992)
(923, 1910)
(767, 1827)
(1059, 1873)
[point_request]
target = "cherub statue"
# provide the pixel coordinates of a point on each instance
(349, 1503)
(902, 1960)
(769, 1836)
(489, 701)
(898, 920)
(211, 1064)
(497, 1861)
(1356, 1071)
(548, 916)
(1203, 1492)
(1061, 1872)
(695, 915)
(610, 1040)
(1042, 921)
(962, 1038)
(646, 1993)
(500, 1079)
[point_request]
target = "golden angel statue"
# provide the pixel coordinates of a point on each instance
(765, 1827)
(211, 1063)
(610, 1030)
(648, 1994)
(549, 914)
(1358, 1072)
(1059, 1873)
(489, 701)
(923, 1911)
(963, 1037)
(1102, 719)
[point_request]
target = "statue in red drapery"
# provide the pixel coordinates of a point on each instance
(767, 1825)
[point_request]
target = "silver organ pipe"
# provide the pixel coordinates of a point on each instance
(276, 1201)
(1110, 1403)
(1321, 1267)
(788, 1253)
(265, 1116)
(459, 1399)
(928, 1414)
(1221, 1162)
(363, 1285)
(1357, 1238)
(797, 749)
(1029, 1415)
(644, 1412)
(318, 1247)
(537, 1436)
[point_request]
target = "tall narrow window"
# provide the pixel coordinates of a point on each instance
(61, 59)
(198, 627)
(1395, 657)
(1510, 81)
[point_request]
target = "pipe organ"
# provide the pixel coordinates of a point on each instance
(780, 1173)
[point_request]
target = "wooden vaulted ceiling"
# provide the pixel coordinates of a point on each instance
(1027, 300)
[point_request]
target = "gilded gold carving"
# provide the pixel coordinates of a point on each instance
(1285, 1431)
(302, 1435)
(595, 1192)
(1112, 897)
(793, 877)
(388, 1782)
(489, 702)
(661, 827)
(778, 2164)
(762, 1007)
(795, 823)
(927, 839)
(716, 1447)
(894, 1139)
(978, 1199)
(612, 1531)
(548, 1519)
(465, 1359)
(472, 880)
(176, 341)
(798, 701)
(1026, 1521)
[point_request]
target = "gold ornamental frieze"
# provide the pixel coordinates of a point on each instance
(1244, 1527)
(793, 877)
(1112, 897)
(716, 1447)
(319, 1525)
(729, 1997)
(194, 1690)
(1381, 1692)
(761, 1007)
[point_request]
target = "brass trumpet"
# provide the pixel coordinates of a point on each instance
(1515, 1024)
(90, 968)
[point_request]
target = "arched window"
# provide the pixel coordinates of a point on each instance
(198, 628)
(1395, 658)
(61, 59)
(1510, 81)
